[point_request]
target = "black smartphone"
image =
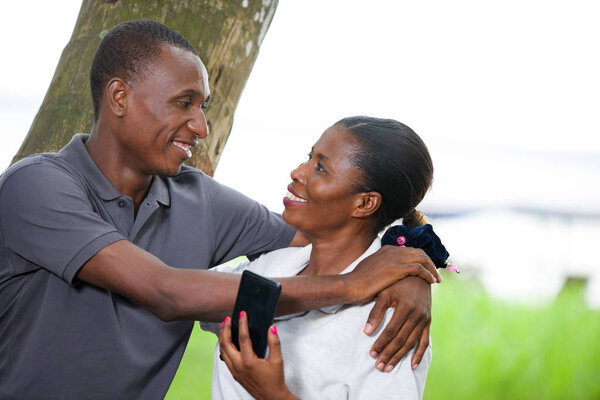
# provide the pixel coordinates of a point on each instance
(258, 297)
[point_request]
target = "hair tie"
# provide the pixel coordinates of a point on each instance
(422, 237)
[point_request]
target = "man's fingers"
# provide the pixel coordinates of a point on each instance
(430, 266)
(409, 344)
(421, 347)
(418, 270)
(376, 315)
(410, 255)
(391, 331)
(400, 335)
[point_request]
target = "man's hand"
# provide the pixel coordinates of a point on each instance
(411, 299)
(387, 266)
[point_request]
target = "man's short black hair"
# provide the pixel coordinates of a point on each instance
(127, 52)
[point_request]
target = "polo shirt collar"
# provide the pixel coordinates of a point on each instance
(159, 191)
(76, 154)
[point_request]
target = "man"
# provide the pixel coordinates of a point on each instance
(104, 245)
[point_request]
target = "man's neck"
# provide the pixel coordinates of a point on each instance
(129, 182)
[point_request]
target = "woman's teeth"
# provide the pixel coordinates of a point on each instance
(294, 198)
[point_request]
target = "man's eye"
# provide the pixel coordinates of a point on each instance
(204, 105)
(320, 167)
(185, 104)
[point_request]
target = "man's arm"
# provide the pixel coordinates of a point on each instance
(184, 294)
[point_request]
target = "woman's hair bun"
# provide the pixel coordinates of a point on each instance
(413, 219)
(422, 237)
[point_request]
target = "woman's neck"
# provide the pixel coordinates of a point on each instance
(332, 255)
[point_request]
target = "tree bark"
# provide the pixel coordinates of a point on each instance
(226, 33)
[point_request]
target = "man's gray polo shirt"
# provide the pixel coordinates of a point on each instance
(60, 338)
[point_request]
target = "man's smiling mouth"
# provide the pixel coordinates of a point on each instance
(183, 146)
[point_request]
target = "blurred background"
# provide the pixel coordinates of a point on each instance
(506, 97)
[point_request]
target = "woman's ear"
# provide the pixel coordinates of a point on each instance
(367, 204)
(116, 96)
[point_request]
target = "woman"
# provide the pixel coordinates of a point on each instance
(361, 175)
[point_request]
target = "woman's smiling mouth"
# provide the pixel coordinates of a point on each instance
(291, 198)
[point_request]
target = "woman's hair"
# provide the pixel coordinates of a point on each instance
(394, 162)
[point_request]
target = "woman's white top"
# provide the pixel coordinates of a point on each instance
(325, 352)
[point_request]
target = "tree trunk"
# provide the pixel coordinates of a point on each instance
(226, 33)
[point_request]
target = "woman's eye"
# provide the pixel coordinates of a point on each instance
(309, 156)
(204, 105)
(321, 168)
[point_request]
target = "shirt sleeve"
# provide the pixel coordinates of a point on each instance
(244, 226)
(48, 219)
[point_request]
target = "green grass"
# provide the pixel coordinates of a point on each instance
(483, 348)
(193, 377)
(490, 349)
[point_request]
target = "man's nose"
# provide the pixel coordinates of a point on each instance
(198, 125)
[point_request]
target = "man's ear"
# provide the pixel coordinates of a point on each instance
(116, 96)
(367, 204)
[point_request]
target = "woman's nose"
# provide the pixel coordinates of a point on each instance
(297, 173)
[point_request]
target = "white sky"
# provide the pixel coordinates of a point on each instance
(505, 93)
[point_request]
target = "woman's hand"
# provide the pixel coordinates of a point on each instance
(262, 378)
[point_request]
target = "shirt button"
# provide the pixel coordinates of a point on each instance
(122, 203)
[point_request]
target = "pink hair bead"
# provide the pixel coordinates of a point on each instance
(401, 240)
(453, 268)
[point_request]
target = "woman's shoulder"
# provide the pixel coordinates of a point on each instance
(283, 262)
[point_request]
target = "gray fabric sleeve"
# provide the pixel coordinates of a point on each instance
(244, 226)
(47, 218)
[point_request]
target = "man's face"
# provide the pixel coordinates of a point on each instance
(165, 116)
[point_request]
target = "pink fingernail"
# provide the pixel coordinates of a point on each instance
(242, 313)
(224, 322)
(274, 330)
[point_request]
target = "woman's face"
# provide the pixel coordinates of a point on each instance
(322, 195)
